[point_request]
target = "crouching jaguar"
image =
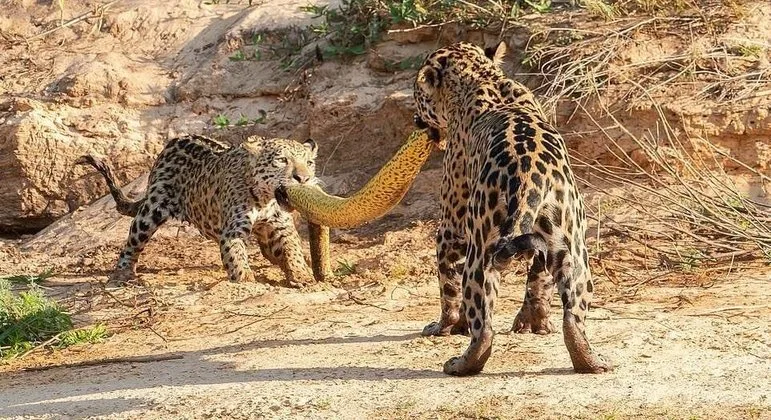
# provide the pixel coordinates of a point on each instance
(226, 192)
(507, 191)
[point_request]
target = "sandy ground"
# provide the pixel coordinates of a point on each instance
(682, 348)
(688, 343)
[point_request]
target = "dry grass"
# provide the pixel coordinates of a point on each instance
(680, 206)
(683, 206)
(584, 63)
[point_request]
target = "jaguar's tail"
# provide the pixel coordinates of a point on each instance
(125, 206)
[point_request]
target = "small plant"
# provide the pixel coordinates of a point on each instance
(221, 121)
(602, 9)
(29, 279)
(399, 271)
(28, 319)
(751, 51)
(540, 6)
(90, 335)
(238, 56)
(690, 260)
(262, 118)
(407, 11)
(242, 120)
(257, 40)
(344, 268)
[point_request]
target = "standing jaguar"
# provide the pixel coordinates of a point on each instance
(225, 192)
(507, 191)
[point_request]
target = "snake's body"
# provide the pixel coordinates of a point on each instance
(372, 201)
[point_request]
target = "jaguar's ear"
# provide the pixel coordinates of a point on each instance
(311, 144)
(428, 78)
(498, 53)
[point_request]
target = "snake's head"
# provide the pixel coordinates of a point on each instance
(282, 198)
(433, 133)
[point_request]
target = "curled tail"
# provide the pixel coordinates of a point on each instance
(125, 206)
(508, 248)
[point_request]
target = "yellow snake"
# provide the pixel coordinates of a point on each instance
(372, 201)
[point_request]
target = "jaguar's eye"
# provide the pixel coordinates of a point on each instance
(311, 162)
(280, 161)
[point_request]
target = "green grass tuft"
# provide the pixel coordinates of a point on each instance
(221, 121)
(29, 319)
(344, 268)
(89, 335)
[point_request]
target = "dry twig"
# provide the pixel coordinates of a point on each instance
(130, 359)
(259, 319)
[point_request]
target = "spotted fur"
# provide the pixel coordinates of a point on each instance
(226, 192)
(507, 191)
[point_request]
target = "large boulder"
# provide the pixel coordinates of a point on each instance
(38, 147)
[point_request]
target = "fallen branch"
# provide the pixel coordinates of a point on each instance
(261, 318)
(420, 27)
(112, 360)
(41, 345)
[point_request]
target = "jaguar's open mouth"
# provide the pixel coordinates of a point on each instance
(433, 133)
(282, 198)
(419, 122)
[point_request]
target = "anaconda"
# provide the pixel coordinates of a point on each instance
(372, 201)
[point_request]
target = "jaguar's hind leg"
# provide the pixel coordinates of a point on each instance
(533, 316)
(149, 218)
(574, 283)
(480, 287)
(450, 254)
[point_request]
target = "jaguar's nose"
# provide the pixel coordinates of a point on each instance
(301, 178)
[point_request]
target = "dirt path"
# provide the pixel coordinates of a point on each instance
(250, 351)
(686, 345)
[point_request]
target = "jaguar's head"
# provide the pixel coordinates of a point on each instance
(447, 74)
(281, 162)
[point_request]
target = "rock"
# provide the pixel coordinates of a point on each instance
(110, 76)
(37, 150)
